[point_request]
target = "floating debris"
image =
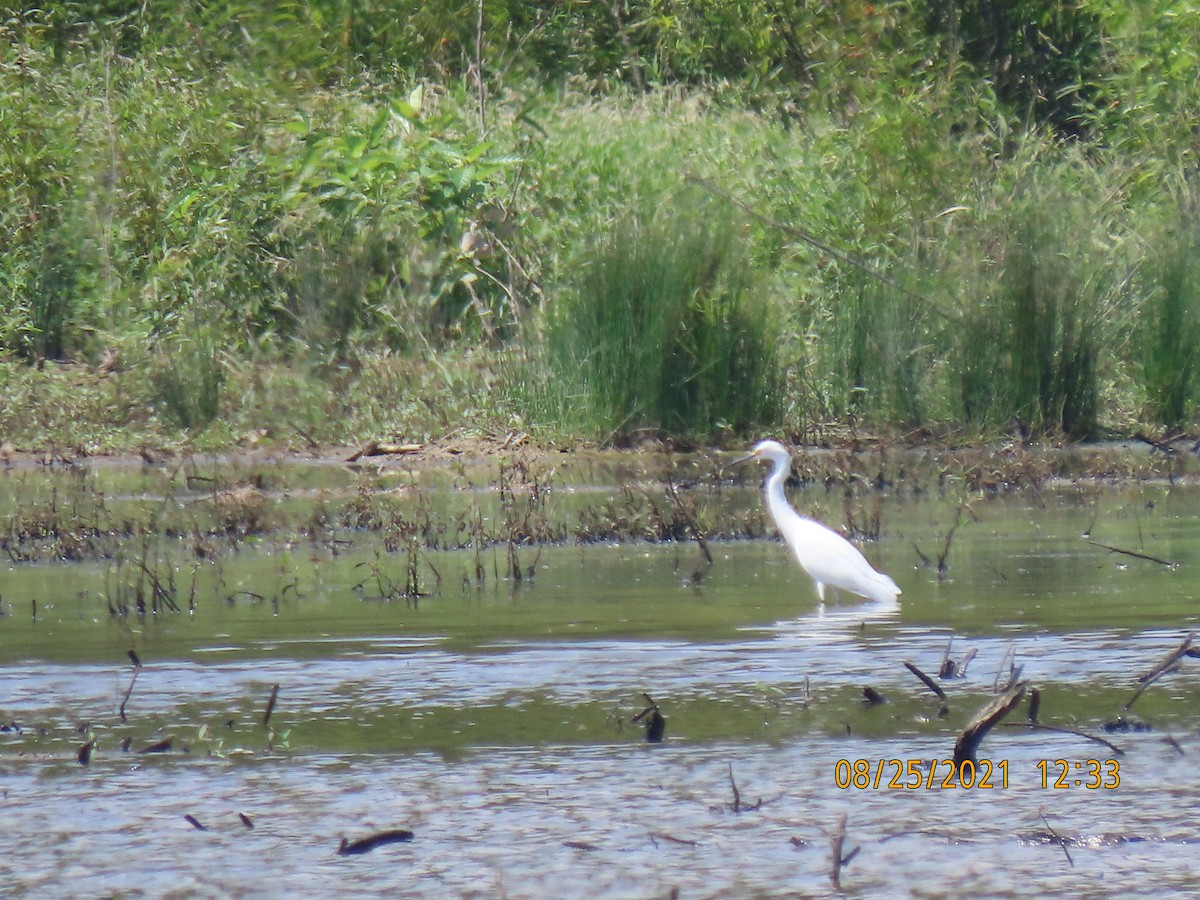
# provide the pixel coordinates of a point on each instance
(195, 823)
(85, 752)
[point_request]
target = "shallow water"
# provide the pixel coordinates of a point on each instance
(495, 722)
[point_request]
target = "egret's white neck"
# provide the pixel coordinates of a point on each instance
(774, 490)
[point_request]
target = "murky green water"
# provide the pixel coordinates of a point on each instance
(493, 716)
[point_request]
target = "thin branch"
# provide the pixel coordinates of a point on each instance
(1133, 553)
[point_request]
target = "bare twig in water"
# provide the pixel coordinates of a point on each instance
(942, 565)
(1167, 664)
(837, 843)
(1035, 702)
(1062, 729)
(367, 844)
(1014, 671)
(245, 820)
(271, 705)
(656, 836)
(966, 661)
(925, 679)
(689, 518)
(947, 667)
(1133, 553)
(1057, 838)
(129, 690)
(977, 729)
(873, 696)
(85, 752)
(195, 823)
(737, 806)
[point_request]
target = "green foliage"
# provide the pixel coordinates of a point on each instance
(661, 330)
(269, 171)
(378, 212)
(1043, 59)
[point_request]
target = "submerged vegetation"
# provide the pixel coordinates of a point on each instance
(332, 221)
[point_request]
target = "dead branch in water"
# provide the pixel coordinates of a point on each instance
(925, 679)
(1133, 553)
(656, 725)
(689, 518)
(873, 696)
(1062, 729)
(1167, 664)
(367, 844)
(137, 667)
(1057, 838)
(942, 565)
(991, 713)
(949, 668)
(737, 806)
(1014, 671)
(270, 705)
(837, 843)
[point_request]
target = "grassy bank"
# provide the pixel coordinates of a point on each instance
(345, 221)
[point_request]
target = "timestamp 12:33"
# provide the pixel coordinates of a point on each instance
(986, 774)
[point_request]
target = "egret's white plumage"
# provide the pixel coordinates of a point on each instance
(825, 555)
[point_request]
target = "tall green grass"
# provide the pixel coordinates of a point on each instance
(660, 330)
(1169, 345)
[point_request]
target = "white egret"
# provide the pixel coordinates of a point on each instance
(825, 555)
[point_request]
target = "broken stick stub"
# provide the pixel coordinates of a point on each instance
(991, 713)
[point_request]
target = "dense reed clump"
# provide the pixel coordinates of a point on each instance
(661, 329)
(1169, 345)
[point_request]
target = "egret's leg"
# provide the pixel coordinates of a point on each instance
(820, 590)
